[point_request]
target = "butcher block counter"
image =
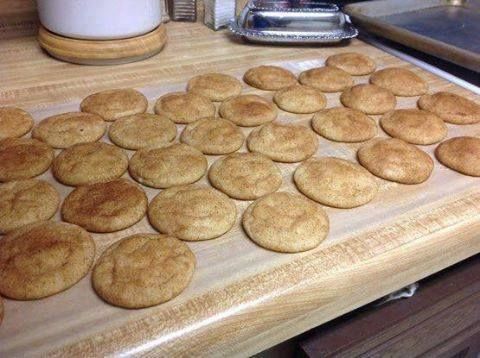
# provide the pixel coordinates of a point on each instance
(243, 299)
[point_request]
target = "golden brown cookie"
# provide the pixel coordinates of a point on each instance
(400, 81)
(192, 212)
(354, 63)
(143, 270)
(283, 142)
(245, 176)
(14, 122)
(142, 130)
(213, 136)
(248, 110)
(395, 160)
(369, 99)
(89, 163)
(23, 158)
(300, 99)
(342, 124)
(269, 78)
(26, 201)
(414, 126)
(67, 129)
(116, 103)
(451, 108)
(461, 154)
(183, 108)
(335, 182)
(178, 164)
(286, 222)
(215, 86)
(42, 259)
(105, 207)
(326, 79)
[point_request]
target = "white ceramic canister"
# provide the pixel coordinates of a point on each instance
(100, 19)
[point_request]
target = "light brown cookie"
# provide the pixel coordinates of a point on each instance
(178, 164)
(300, 99)
(414, 126)
(14, 122)
(354, 63)
(89, 163)
(282, 142)
(116, 103)
(269, 78)
(248, 110)
(245, 176)
(142, 130)
(213, 136)
(286, 222)
(192, 212)
(215, 86)
(42, 259)
(461, 154)
(143, 270)
(26, 201)
(326, 79)
(451, 108)
(23, 158)
(1, 310)
(183, 108)
(369, 99)
(395, 160)
(335, 182)
(342, 124)
(105, 207)
(400, 81)
(67, 129)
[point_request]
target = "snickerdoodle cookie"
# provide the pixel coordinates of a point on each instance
(26, 201)
(42, 259)
(286, 222)
(326, 79)
(116, 103)
(283, 142)
(192, 212)
(105, 207)
(400, 81)
(89, 163)
(143, 270)
(342, 124)
(66, 129)
(335, 182)
(269, 78)
(215, 86)
(451, 107)
(142, 130)
(300, 99)
(414, 126)
(178, 164)
(354, 63)
(369, 99)
(183, 108)
(245, 176)
(213, 136)
(461, 154)
(248, 110)
(396, 160)
(23, 158)
(14, 122)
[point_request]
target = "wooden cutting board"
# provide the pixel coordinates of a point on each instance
(243, 298)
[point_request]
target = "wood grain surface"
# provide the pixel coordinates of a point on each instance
(243, 298)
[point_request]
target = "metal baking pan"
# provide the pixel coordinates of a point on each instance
(448, 29)
(292, 21)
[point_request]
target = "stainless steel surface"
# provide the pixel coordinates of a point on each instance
(182, 10)
(292, 22)
(448, 29)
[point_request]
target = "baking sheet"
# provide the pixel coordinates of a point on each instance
(448, 29)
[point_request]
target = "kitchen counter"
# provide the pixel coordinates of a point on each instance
(260, 309)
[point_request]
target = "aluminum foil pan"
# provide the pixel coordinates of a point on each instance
(292, 21)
